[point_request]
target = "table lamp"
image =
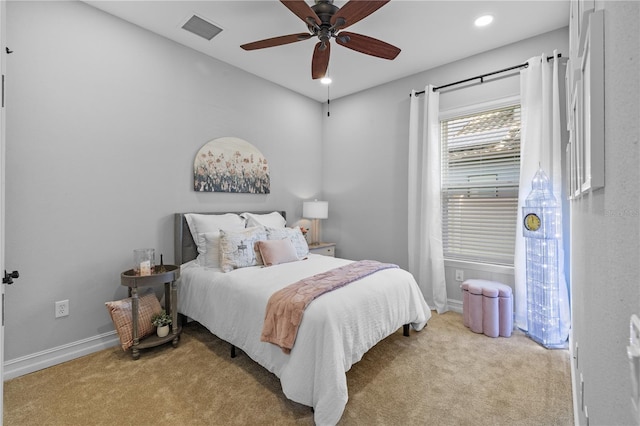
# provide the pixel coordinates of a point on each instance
(315, 210)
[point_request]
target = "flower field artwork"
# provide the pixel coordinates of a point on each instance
(230, 165)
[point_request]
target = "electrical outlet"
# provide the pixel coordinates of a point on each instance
(459, 275)
(62, 308)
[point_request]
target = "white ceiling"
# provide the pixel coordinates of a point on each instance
(429, 32)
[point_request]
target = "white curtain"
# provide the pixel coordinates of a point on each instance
(426, 261)
(540, 147)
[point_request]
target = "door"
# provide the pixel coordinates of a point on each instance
(3, 45)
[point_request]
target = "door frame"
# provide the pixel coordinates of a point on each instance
(3, 46)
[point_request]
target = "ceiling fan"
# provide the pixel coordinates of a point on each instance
(326, 21)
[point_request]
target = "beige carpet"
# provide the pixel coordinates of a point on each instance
(444, 375)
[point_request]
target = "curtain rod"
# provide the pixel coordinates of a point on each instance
(481, 77)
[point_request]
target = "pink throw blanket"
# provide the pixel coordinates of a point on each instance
(286, 306)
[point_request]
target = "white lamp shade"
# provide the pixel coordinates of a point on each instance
(315, 209)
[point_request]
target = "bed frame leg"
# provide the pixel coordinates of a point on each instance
(405, 330)
(233, 351)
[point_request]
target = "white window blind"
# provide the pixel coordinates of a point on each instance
(480, 177)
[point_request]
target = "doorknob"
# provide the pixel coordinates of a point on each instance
(9, 277)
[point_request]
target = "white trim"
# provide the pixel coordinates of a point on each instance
(455, 305)
(574, 373)
(477, 266)
(50, 357)
(478, 108)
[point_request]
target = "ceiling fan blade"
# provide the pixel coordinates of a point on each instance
(320, 60)
(367, 45)
(302, 10)
(276, 41)
(355, 10)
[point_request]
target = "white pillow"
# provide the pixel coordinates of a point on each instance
(271, 220)
(238, 248)
(293, 234)
(201, 224)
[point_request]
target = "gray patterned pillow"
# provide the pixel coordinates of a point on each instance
(238, 248)
(293, 234)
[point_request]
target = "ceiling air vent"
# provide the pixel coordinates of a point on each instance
(202, 28)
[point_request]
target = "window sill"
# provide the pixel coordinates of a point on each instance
(487, 267)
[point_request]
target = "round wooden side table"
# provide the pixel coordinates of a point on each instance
(167, 275)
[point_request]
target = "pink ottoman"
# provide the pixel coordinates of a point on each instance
(487, 307)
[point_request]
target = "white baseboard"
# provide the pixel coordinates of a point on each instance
(29, 363)
(50, 357)
(574, 389)
(455, 305)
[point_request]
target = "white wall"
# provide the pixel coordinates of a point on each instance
(104, 120)
(606, 234)
(365, 154)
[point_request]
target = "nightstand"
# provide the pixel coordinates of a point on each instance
(325, 249)
(168, 277)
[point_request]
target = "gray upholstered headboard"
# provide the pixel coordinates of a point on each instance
(185, 248)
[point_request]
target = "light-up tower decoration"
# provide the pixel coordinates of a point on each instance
(540, 217)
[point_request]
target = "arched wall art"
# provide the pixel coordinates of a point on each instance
(230, 165)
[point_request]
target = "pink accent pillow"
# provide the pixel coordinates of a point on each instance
(120, 311)
(274, 252)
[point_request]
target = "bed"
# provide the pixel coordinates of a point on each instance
(337, 329)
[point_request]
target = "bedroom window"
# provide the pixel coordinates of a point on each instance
(480, 176)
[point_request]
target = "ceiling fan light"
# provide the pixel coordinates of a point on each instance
(325, 80)
(483, 20)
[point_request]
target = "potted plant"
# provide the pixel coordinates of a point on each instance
(161, 320)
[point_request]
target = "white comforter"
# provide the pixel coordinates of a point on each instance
(336, 330)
